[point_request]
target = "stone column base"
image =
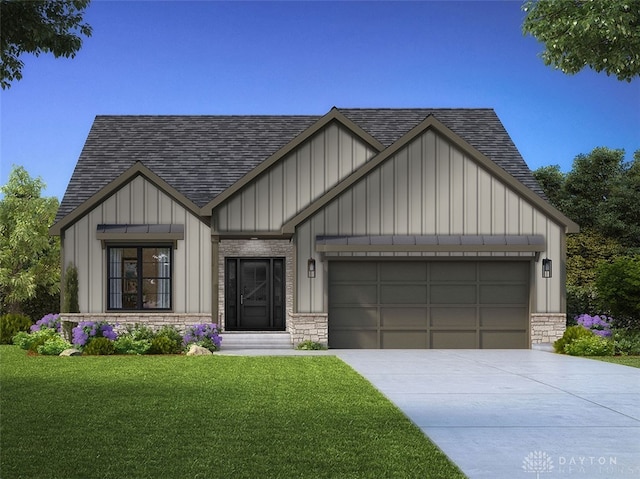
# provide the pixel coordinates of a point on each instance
(308, 327)
(547, 327)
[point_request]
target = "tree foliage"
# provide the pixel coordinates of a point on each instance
(618, 285)
(29, 257)
(39, 26)
(601, 193)
(601, 34)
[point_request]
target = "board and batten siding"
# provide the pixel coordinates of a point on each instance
(430, 187)
(293, 183)
(140, 202)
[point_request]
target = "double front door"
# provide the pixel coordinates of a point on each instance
(254, 294)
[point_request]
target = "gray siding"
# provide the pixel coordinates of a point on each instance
(140, 202)
(429, 187)
(293, 183)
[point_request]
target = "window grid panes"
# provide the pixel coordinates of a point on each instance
(139, 278)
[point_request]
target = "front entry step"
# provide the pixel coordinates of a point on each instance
(255, 340)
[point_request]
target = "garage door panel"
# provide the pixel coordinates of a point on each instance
(350, 271)
(404, 339)
(354, 317)
(504, 318)
(356, 339)
(403, 271)
(453, 294)
(503, 294)
(403, 294)
(508, 271)
(454, 340)
(452, 271)
(403, 317)
(356, 294)
(503, 339)
(453, 317)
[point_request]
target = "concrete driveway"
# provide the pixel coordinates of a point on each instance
(515, 413)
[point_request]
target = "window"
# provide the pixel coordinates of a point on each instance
(139, 277)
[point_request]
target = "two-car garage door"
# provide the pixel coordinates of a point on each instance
(429, 304)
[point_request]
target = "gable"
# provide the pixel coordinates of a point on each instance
(418, 159)
(294, 182)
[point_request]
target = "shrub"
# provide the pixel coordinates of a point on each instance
(626, 342)
(54, 346)
(205, 335)
(33, 341)
(165, 345)
(87, 331)
(139, 332)
(600, 325)
(70, 302)
(618, 285)
(100, 346)
(51, 321)
(42, 303)
(571, 334)
(592, 345)
(11, 324)
(310, 346)
(127, 344)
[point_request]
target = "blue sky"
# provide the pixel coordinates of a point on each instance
(205, 57)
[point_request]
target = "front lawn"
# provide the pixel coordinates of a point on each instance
(202, 416)
(633, 361)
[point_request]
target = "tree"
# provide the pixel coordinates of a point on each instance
(601, 34)
(39, 26)
(552, 181)
(29, 256)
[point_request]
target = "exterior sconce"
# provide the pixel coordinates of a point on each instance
(311, 268)
(546, 268)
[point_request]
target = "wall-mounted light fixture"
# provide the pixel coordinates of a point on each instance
(546, 268)
(311, 268)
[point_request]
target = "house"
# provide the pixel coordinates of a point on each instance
(363, 228)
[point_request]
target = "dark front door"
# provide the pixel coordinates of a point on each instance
(254, 299)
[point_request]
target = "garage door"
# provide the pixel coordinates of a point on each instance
(434, 304)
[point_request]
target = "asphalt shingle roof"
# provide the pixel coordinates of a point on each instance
(201, 156)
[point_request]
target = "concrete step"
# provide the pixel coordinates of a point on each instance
(255, 340)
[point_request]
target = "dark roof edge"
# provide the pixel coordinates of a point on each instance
(137, 169)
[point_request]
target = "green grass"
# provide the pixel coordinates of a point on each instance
(633, 361)
(202, 417)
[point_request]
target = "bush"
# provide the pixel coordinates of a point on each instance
(571, 334)
(100, 346)
(33, 341)
(165, 345)
(11, 324)
(592, 345)
(42, 303)
(126, 344)
(70, 302)
(205, 335)
(618, 285)
(310, 346)
(51, 321)
(600, 325)
(87, 331)
(626, 342)
(54, 346)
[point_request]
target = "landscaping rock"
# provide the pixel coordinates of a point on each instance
(71, 352)
(196, 350)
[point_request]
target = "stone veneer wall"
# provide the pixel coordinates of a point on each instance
(248, 248)
(547, 327)
(308, 327)
(152, 320)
